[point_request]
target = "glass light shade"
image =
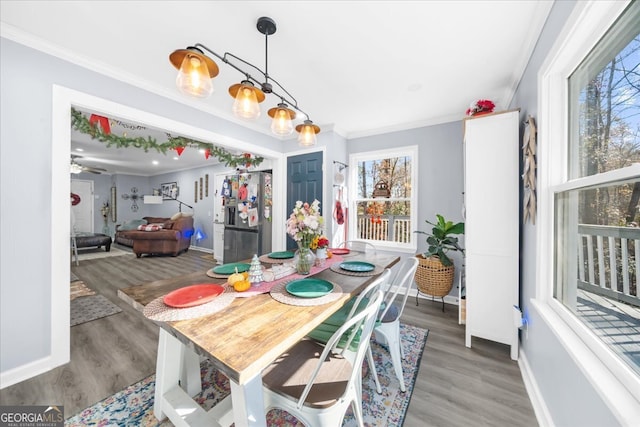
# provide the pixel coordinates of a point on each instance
(194, 78)
(246, 104)
(308, 133)
(76, 168)
(281, 123)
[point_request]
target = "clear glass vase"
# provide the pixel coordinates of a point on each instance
(306, 259)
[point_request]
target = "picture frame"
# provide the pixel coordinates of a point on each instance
(114, 204)
(169, 190)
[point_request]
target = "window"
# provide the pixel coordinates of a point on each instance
(589, 198)
(597, 218)
(383, 198)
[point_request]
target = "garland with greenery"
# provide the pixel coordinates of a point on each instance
(82, 124)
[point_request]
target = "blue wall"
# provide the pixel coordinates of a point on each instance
(571, 400)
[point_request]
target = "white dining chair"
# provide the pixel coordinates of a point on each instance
(358, 246)
(323, 332)
(317, 383)
(387, 329)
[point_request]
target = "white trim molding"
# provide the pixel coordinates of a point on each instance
(535, 395)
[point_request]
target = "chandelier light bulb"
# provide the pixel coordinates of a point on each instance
(246, 104)
(308, 133)
(194, 78)
(281, 123)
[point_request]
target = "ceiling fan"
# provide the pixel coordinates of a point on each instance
(78, 168)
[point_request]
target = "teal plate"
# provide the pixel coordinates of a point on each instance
(281, 255)
(309, 288)
(231, 268)
(357, 266)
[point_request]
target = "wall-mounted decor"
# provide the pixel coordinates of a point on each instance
(134, 197)
(529, 171)
(195, 191)
(206, 185)
(201, 188)
(114, 205)
(169, 190)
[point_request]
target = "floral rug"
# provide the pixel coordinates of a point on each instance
(133, 406)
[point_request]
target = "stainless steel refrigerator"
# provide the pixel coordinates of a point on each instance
(247, 199)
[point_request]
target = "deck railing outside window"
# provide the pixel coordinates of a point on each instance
(607, 262)
(388, 228)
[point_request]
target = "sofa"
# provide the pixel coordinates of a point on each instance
(157, 236)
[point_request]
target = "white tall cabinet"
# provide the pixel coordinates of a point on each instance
(491, 149)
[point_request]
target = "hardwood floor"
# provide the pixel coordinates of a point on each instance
(456, 386)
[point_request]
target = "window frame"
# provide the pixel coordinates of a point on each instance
(615, 382)
(354, 158)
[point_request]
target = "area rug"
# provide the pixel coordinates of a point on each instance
(134, 405)
(79, 289)
(90, 308)
(96, 253)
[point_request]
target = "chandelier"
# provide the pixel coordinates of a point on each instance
(196, 70)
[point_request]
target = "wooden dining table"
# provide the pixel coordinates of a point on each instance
(240, 340)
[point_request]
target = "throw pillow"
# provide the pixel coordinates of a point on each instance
(150, 227)
(154, 219)
(168, 225)
(132, 225)
(176, 216)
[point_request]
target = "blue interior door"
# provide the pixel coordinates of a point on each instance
(304, 182)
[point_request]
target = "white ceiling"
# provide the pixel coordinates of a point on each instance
(357, 67)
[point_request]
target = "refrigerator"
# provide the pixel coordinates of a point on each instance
(247, 200)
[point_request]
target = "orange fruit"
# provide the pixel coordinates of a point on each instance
(241, 285)
(329, 254)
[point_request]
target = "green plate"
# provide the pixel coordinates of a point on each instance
(309, 288)
(357, 266)
(281, 255)
(231, 268)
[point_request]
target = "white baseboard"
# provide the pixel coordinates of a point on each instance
(537, 400)
(201, 249)
(29, 370)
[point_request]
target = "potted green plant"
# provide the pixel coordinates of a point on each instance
(435, 272)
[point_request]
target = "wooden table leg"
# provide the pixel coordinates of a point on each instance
(248, 404)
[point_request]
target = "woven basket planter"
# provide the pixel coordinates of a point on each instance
(433, 278)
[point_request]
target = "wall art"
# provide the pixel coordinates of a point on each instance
(169, 190)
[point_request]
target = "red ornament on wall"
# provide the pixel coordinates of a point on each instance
(179, 150)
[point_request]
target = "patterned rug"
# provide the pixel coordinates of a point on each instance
(133, 406)
(96, 253)
(79, 289)
(90, 308)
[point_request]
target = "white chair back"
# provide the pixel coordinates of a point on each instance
(363, 322)
(400, 284)
(359, 246)
(368, 293)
